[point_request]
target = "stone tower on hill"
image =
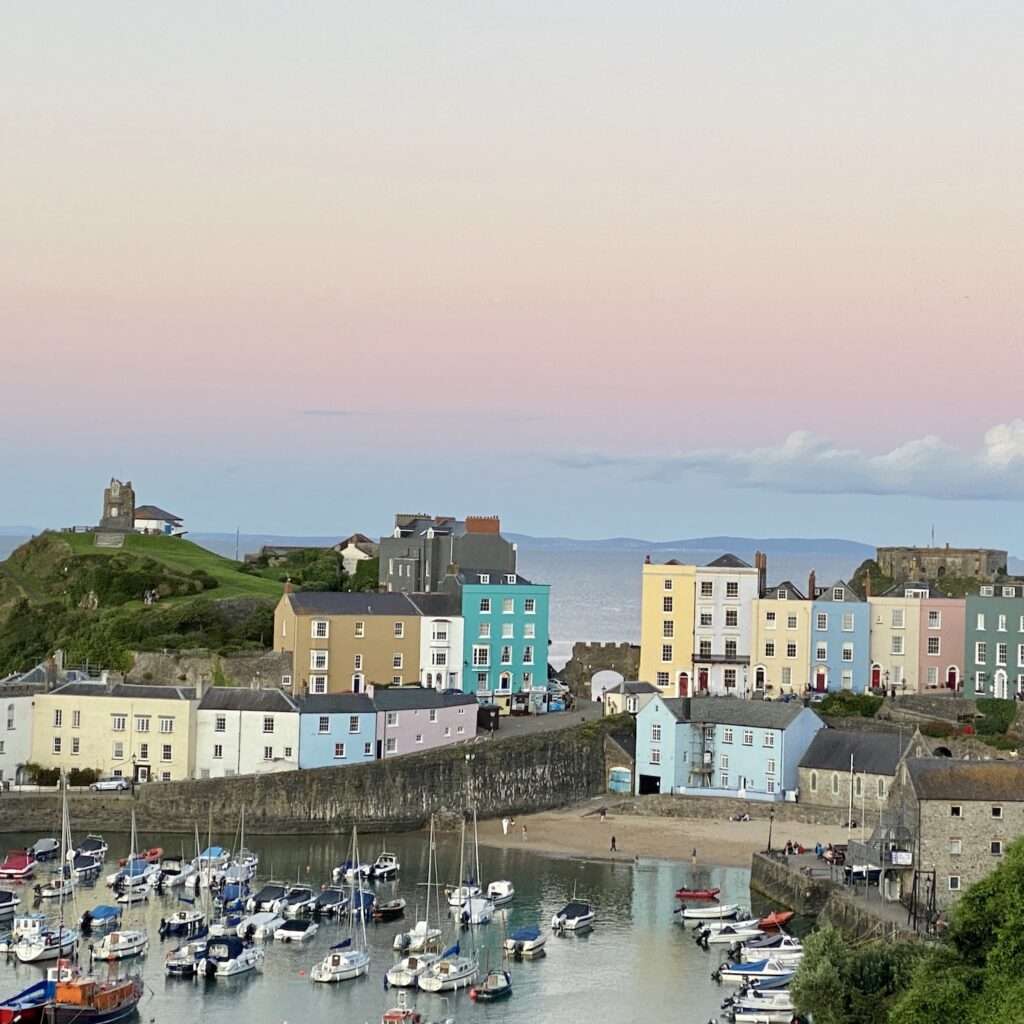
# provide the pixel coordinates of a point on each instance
(118, 507)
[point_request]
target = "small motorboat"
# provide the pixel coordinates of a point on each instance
(575, 916)
(476, 910)
(450, 972)
(525, 943)
(697, 894)
(458, 895)
(134, 894)
(232, 897)
(120, 945)
(298, 900)
(184, 923)
(267, 899)
(342, 963)
(47, 944)
(100, 919)
(402, 1014)
(739, 972)
(226, 925)
(93, 846)
(767, 941)
(8, 901)
(776, 919)
(501, 893)
(349, 872)
(296, 931)
(30, 923)
(27, 1006)
(56, 888)
(183, 961)
(790, 949)
(728, 934)
(84, 999)
(389, 909)
(362, 904)
(45, 849)
(331, 900)
(85, 867)
(227, 957)
(211, 858)
(384, 868)
(496, 985)
(407, 971)
(259, 927)
(18, 864)
(421, 938)
(719, 912)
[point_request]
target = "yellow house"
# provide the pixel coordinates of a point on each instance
(782, 641)
(126, 730)
(666, 627)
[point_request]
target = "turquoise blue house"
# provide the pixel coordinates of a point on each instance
(336, 729)
(722, 746)
(840, 639)
(505, 639)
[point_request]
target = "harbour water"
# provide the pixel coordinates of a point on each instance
(637, 964)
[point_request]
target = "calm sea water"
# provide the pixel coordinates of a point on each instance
(637, 964)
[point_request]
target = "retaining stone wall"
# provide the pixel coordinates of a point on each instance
(723, 808)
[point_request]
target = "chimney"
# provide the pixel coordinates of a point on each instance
(761, 565)
(647, 559)
(812, 586)
(483, 524)
(288, 585)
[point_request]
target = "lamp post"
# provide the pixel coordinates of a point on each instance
(771, 823)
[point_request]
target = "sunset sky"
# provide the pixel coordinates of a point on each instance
(658, 269)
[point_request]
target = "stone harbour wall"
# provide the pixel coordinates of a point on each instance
(724, 808)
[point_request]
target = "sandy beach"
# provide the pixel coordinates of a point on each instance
(579, 832)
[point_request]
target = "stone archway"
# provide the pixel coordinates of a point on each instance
(590, 658)
(603, 680)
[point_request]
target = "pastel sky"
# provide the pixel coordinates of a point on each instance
(658, 269)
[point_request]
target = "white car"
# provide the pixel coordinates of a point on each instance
(115, 784)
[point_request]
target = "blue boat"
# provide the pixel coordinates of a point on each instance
(100, 918)
(362, 903)
(28, 1005)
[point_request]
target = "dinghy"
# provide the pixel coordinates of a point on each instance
(501, 893)
(183, 961)
(389, 909)
(711, 913)
(525, 943)
(496, 985)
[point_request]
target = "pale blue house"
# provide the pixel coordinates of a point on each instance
(722, 746)
(337, 729)
(840, 639)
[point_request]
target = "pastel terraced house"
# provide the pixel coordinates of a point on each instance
(337, 729)
(994, 639)
(896, 636)
(840, 639)
(783, 641)
(942, 635)
(246, 732)
(666, 626)
(412, 719)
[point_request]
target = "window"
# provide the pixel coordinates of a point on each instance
(666, 652)
(391, 745)
(485, 606)
(1008, 591)
(321, 629)
(662, 679)
(814, 782)
(655, 756)
(838, 594)
(727, 734)
(897, 618)
(318, 684)
(732, 589)
(705, 648)
(956, 847)
(529, 606)
(821, 652)
(142, 723)
(10, 716)
(431, 717)
(668, 629)
(987, 591)
(481, 656)
(396, 660)
(391, 718)
(485, 577)
(896, 646)
(858, 784)
(821, 622)
(318, 660)
(770, 765)
(1020, 664)
(268, 753)
(76, 744)
(835, 783)
(419, 737)
(723, 762)
(506, 655)
(787, 676)
(367, 749)
(748, 737)
(732, 617)
(790, 650)
(996, 847)
(956, 811)
(399, 630)
(847, 654)
(666, 604)
(769, 648)
(783, 595)
(769, 619)
(848, 622)
(527, 655)
(165, 776)
(530, 630)
(933, 676)
(769, 741)
(323, 724)
(656, 732)
(76, 719)
(396, 680)
(847, 679)
(934, 647)
(166, 725)
(118, 751)
(934, 619)
(218, 752)
(791, 622)
(980, 681)
(1000, 654)
(1001, 624)
(339, 750)
(58, 718)
(707, 588)
(360, 629)
(482, 681)
(508, 630)
(144, 751)
(723, 780)
(268, 723)
(707, 618)
(667, 585)
(980, 621)
(997, 812)
(730, 648)
(440, 632)
(980, 652)
(166, 753)
(357, 662)
(508, 606)
(881, 789)
(954, 883)
(485, 631)
(729, 678)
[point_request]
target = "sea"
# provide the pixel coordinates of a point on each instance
(638, 963)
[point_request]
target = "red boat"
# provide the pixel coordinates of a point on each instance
(776, 919)
(27, 1007)
(697, 894)
(18, 864)
(150, 856)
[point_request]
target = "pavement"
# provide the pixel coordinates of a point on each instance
(526, 725)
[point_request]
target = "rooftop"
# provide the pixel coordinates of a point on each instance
(471, 577)
(411, 698)
(940, 778)
(764, 714)
(232, 698)
(326, 602)
(729, 561)
(877, 753)
(126, 691)
(155, 512)
(336, 704)
(633, 687)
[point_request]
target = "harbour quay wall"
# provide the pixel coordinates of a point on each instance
(518, 775)
(775, 879)
(723, 808)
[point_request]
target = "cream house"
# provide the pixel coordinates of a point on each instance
(138, 732)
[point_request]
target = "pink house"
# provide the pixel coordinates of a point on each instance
(941, 652)
(411, 719)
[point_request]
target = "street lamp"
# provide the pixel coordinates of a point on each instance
(771, 823)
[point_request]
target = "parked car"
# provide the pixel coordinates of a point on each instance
(112, 783)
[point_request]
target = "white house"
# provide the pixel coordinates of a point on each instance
(15, 733)
(723, 631)
(441, 636)
(355, 549)
(246, 732)
(153, 519)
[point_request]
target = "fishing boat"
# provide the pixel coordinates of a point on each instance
(501, 893)
(267, 899)
(576, 916)
(228, 956)
(296, 931)
(18, 864)
(496, 985)
(738, 972)
(298, 900)
(720, 912)
(29, 923)
(389, 910)
(183, 923)
(331, 900)
(93, 846)
(27, 1006)
(183, 961)
(776, 919)
(385, 867)
(525, 943)
(81, 998)
(349, 958)
(45, 849)
(99, 919)
(259, 927)
(697, 894)
(120, 945)
(402, 1013)
(8, 901)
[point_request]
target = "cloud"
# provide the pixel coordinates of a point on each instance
(325, 412)
(807, 463)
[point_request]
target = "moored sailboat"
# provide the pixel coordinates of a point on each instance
(350, 958)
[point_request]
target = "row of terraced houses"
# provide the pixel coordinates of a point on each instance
(719, 629)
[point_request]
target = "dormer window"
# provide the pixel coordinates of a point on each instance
(485, 577)
(783, 595)
(838, 594)
(510, 578)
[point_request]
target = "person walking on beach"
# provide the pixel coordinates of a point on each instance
(613, 844)
(524, 833)
(504, 825)
(693, 857)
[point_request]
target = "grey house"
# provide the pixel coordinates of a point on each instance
(416, 557)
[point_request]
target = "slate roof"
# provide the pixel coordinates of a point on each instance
(412, 698)
(336, 704)
(438, 604)
(940, 778)
(632, 687)
(900, 589)
(155, 512)
(126, 691)
(729, 561)
(876, 753)
(326, 602)
(235, 698)
(472, 576)
(792, 592)
(850, 592)
(758, 714)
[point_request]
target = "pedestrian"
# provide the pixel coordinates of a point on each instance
(613, 845)
(504, 826)
(693, 857)
(524, 833)
(604, 814)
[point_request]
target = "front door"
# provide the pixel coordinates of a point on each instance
(951, 678)
(142, 773)
(380, 749)
(820, 683)
(702, 680)
(684, 684)
(876, 676)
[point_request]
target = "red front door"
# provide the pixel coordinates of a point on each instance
(819, 682)
(684, 684)
(951, 678)
(702, 680)
(876, 676)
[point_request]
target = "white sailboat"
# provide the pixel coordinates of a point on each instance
(347, 960)
(124, 942)
(422, 943)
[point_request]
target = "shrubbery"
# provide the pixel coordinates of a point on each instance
(845, 704)
(998, 716)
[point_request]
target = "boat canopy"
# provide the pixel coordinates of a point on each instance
(574, 909)
(105, 912)
(227, 948)
(525, 935)
(213, 853)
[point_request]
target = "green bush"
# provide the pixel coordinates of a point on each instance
(998, 716)
(1000, 742)
(845, 704)
(937, 729)
(82, 776)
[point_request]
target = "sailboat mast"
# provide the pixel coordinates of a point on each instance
(430, 873)
(476, 845)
